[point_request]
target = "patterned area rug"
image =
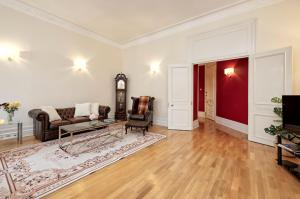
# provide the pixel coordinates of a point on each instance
(37, 170)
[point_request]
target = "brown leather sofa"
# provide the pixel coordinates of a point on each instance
(45, 130)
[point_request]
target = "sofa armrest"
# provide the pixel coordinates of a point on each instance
(103, 111)
(40, 116)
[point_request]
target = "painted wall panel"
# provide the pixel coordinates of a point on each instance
(232, 91)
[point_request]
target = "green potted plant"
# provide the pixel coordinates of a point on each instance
(277, 129)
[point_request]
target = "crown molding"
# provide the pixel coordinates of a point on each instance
(209, 17)
(50, 18)
(235, 9)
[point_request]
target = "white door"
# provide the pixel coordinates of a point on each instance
(270, 75)
(179, 97)
(210, 73)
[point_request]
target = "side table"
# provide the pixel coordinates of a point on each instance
(294, 149)
(19, 128)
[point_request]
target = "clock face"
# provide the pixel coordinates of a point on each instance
(121, 84)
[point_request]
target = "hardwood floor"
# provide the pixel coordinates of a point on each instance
(205, 163)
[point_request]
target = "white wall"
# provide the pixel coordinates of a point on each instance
(45, 75)
(277, 27)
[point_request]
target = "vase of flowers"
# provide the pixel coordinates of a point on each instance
(10, 108)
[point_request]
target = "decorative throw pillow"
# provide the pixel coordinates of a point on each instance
(94, 116)
(95, 108)
(53, 115)
(82, 109)
(143, 105)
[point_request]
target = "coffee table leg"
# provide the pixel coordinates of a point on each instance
(59, 135)
(20, 132)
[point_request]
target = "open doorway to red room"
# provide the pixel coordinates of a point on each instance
(221, 91)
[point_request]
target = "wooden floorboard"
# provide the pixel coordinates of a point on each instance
(209, 162)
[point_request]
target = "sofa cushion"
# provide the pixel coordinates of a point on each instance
(137, 117)
(50, 110)
(95, 108)
(82, 109)
(79, 119)
(57, 123)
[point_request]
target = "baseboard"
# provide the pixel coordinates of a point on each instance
(161, 121)
(201, 114)
(195, 124)
(11, 132)
(232, 124)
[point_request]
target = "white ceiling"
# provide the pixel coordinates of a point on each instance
(125, 20)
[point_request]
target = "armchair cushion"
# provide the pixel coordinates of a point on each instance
(137, 117)
(143, 104)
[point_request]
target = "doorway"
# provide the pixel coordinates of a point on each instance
(205, 90)
(210, 90)
(222, 92)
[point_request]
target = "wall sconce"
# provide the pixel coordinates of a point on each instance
(154, 68)
(2, 121)
(229, 71)
(9, 52)
(80, 64)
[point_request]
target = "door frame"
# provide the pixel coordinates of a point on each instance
(196, 47)
(248, 26)
(215, 78)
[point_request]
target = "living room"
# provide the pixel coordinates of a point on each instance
(128, 68)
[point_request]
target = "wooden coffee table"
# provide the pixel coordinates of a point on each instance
(137, 124)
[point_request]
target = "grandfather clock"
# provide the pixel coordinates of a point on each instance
(121, 89)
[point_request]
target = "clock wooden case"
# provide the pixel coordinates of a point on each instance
(121, 90)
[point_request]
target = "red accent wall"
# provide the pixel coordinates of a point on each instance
(232, 92)
(201, 89)
(195, 93)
